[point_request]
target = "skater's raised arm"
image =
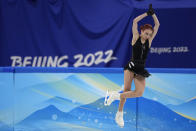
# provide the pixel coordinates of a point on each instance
(156, 27)
(156, 22)
(135, 27)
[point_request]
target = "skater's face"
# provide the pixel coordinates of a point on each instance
(146, 34)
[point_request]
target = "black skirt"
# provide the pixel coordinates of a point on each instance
(137, 67)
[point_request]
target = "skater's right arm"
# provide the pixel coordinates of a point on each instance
(135, 27)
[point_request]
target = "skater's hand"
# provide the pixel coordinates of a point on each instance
(150, 10)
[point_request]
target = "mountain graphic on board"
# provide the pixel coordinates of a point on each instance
(63, 104)
(161, 117)
(94, 116)
(98, 116)
(48, 113)
(188, 108)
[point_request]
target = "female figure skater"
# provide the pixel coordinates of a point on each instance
(135, 69)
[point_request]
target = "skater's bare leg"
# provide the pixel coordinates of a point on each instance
(128, 78)
(139, 82)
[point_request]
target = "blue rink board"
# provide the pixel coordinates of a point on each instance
(72, 99)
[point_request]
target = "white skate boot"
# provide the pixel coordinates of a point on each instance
(110, 97)
(119, 119)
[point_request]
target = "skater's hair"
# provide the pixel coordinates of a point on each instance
(146, 26)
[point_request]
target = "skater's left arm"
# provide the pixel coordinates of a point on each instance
(156, 28)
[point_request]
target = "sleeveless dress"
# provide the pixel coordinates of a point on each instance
(138, 60)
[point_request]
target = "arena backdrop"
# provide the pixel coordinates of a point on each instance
(93, 33)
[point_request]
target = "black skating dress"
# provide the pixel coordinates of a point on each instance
(138, 60)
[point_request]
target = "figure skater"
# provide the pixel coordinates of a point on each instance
(135, 69)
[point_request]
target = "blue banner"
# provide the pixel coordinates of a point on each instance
(91, 33)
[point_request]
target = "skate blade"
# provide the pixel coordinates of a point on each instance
(120, 126)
